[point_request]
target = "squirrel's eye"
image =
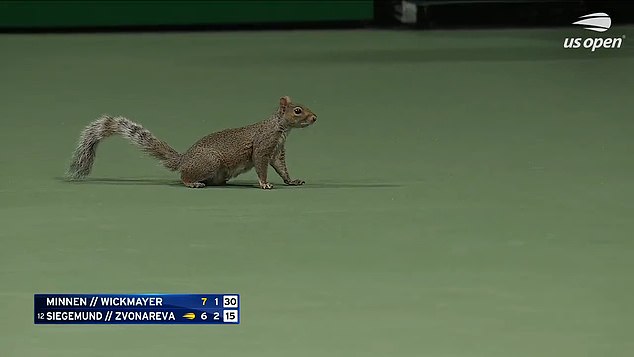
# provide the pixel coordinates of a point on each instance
(297, 110)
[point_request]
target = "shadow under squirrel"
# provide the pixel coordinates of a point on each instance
(212, 160)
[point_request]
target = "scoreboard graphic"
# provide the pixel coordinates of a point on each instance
(144, 309)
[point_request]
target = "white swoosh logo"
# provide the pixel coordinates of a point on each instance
(599, 22)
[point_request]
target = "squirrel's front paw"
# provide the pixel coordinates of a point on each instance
(295, 182)
(265, 186)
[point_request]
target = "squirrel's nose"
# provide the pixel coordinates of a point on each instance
(314, 118)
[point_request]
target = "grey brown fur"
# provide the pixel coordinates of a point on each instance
(212, 160)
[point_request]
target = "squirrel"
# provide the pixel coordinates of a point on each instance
(212, 160)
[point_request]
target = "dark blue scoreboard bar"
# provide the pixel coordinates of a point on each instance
(145, 309)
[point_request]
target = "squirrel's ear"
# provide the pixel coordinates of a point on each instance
(285, 101)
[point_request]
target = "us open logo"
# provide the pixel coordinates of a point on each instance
(596, 22)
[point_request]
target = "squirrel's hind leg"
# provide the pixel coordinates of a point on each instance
(198, 176)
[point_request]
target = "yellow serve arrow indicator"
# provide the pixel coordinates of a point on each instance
(190, 316)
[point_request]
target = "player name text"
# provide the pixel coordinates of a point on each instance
(95, 316)
(104, 301)
(128, 301)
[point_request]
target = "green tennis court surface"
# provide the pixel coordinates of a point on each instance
(468, 193)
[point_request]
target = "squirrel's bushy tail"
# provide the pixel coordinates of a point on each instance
(106, 126)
